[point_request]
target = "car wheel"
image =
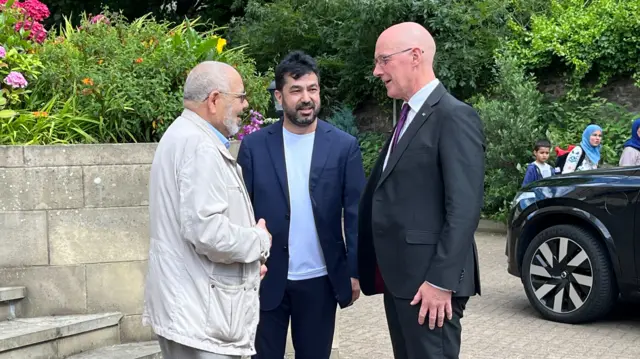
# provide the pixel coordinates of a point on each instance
(567, 275)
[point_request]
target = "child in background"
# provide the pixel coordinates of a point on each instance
(539, 169)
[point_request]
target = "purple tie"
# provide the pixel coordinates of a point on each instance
(403, 117)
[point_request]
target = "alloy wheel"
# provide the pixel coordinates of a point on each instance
(561, 275)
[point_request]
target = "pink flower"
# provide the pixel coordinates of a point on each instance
(3, 52)
(35, 9)
(37, 31)
(15, 80)
(100, 18)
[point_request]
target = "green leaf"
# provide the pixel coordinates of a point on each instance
(8, 113)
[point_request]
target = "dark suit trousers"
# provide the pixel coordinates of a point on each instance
(312, 307)
(410, 340)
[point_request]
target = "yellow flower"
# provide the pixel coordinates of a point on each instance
(220, 45)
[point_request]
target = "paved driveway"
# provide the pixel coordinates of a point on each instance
(500, 323)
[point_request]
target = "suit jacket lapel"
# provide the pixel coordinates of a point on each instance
(275, 146)
(321, 149)
(421, 117)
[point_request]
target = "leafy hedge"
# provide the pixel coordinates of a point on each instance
(108, 80)
(86, 84)
(341, 34)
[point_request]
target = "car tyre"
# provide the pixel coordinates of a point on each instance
(567, 275)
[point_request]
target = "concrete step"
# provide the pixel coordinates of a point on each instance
(10, 298)
(57, 337)
(143, 350)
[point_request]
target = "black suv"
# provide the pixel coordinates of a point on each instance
(573, 241)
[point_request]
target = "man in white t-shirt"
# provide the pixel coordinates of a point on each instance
(302, 175)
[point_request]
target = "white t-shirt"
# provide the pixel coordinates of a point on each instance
(306, 259)
(545, 169)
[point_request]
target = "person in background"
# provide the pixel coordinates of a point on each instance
(304, 176)
(586, 156)
(539, 168)
(631, 153)
(206, 252)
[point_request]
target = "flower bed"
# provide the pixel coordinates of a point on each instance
(107, 80)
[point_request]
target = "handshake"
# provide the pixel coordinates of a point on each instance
(263, 225)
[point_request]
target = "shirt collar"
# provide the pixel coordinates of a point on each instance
(417, 100)
(225, 141)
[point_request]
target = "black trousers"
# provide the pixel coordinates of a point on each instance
(311, 305)
(410, 340)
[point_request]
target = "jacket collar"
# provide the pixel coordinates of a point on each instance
(206, 127)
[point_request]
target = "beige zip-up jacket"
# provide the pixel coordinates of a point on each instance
(205, 252)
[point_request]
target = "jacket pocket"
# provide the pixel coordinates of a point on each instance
(228, 312)
(422, 237)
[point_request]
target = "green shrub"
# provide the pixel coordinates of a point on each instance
(56, 123)
(129, 76)
(593, 40)
(341, 35)
(370, 146)
(511, 117)
(344, 119)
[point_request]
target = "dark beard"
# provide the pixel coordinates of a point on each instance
(292, 113)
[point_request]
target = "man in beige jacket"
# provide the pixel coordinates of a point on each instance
(206, 253)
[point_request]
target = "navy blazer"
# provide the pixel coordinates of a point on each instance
(336, 182)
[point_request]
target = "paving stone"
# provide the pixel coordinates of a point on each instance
(501, 323)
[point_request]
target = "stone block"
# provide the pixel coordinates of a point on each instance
(40, 188)
(11, 156)
(98, 235)
(45, 350)
(70, 334)
(116, 186)
(10, 310)
(132, 330)
(12, 293)
(51, 290)
(488, 226)
(24, 239)
(144, 350)
(88, 341)
(89, 155)
(116, 287)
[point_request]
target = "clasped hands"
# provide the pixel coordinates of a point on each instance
(436, 302)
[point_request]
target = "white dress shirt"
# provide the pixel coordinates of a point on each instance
(415, 104)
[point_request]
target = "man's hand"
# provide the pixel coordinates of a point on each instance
(355, 290)
(435, 301)
(263, 271)
(263, 224)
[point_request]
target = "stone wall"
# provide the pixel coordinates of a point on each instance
(74, 229)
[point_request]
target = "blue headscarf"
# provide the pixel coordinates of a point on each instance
(592, 152)
(634, 141)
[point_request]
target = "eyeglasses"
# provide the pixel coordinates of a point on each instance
(241, 95)
(384, 59)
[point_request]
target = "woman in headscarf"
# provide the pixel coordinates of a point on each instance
(586, 156)
(631, 153)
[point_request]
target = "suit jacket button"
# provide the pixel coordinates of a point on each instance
(287, 217)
